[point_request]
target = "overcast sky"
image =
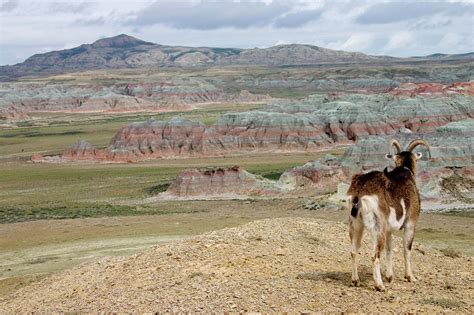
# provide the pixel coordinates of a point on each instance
(401, 28)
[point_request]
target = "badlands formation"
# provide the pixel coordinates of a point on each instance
(442, 115)
(312, 124)
(163, 96)
(445, 182)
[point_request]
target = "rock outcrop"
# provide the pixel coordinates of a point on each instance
(173, 95)
(333, 82)
(312, 124)
(175, 138)
(451, 146)
(452, 154)
(316, 177)
(218, 183)
(437, 89)
(313, 178)
(11, 113)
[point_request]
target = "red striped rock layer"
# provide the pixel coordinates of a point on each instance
(11, 114)
(413, 89)
(231, 182)
(218, 183)
(312, 124)
(139, 97)
(256, 131)
(318, 177)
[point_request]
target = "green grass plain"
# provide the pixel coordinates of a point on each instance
(28, 190)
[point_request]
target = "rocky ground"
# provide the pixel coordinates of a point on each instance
(273, 265)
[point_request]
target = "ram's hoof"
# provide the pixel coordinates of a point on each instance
(356, 283)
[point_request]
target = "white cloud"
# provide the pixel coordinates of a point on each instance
(449, 41)
(355, 42)
(298, 19)
(396, 11)
(7, 6)
(206, 15)
(399, 41)
(281, 42)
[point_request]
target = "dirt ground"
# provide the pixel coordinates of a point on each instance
(272, 265)
(34, 250)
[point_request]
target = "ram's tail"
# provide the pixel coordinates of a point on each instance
(355, 205)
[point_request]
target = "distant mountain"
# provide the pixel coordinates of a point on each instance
(125, 51)
(438, 56)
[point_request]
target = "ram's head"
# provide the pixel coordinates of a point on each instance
(407, 158)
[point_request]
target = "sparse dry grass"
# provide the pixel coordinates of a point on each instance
(450, 252)
(444, 302)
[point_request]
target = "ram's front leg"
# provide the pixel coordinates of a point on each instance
(389, 256)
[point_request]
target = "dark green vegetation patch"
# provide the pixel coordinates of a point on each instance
(80, 210)
(155, 190)
(272, 175)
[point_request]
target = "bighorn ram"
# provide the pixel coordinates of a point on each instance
(383, 202)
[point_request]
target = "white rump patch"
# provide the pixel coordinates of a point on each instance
(370, 212)
(393, 223)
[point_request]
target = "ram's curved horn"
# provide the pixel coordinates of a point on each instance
(396, 144)
(416, 143)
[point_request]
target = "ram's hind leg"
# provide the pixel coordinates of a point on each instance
(376, 224)
(378, 245)
(356, 229)
(407, 244)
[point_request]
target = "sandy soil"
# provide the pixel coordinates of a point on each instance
(284, 265)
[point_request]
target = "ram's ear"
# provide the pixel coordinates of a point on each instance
(390, 157)
(418, 155)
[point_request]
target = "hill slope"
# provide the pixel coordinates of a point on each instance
(125, 51)
(284, 265)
